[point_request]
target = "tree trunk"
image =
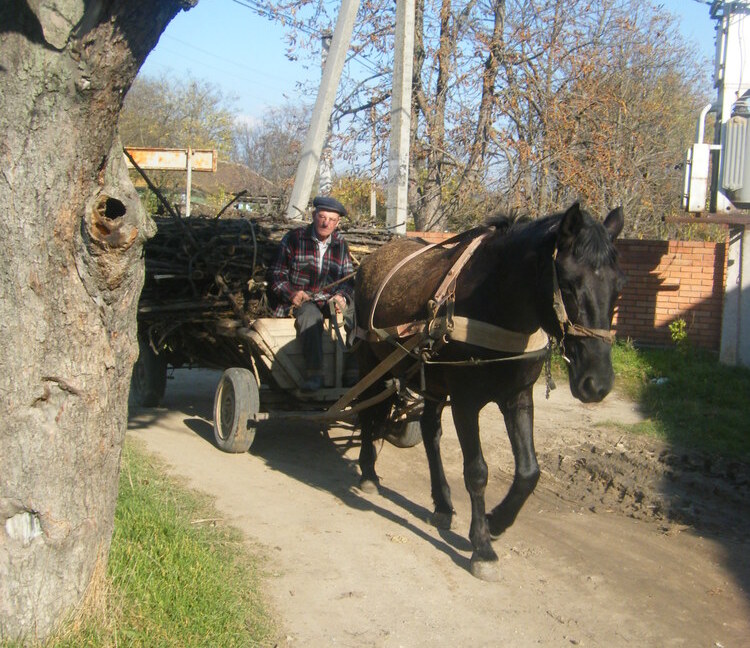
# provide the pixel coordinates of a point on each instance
(71, 239)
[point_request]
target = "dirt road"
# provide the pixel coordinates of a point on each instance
(624, 543)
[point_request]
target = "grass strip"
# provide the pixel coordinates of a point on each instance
(691, 399)
(177, 576)
(688, 397)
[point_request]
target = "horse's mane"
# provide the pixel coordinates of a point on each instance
(592, 244)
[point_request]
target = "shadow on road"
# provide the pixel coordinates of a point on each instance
(309, 453)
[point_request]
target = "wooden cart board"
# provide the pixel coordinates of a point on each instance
(281, 352)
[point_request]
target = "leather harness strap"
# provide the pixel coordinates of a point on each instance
(494, 337)
(566, 326)
(450, 327)
(471, 331)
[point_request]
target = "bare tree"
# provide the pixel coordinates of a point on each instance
(71, 275)
(272, 147)
(491, 80)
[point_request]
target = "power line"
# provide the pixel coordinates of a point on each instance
(222, 58)
(265, 12)
(293, 22)
(252, 82)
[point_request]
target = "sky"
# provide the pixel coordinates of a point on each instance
(228, 44)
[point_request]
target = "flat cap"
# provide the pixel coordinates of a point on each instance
(326, 203)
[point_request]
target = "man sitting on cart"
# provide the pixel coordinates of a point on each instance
(306, 276)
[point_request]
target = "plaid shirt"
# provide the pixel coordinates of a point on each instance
(296, 268)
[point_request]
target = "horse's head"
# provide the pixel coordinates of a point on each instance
(589, 280)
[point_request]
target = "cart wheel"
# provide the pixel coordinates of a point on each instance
(149, 379)
(405, 434)
(236, 400)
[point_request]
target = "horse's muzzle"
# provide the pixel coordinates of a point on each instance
(590, 374)
(591, 388)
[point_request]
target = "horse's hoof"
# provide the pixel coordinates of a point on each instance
(486, 570)
(496, 528)
(368, 486)
(495, 535)
(442, 520)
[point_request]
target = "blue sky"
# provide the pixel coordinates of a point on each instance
(225, 42)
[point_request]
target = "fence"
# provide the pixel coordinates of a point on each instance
(666, 281)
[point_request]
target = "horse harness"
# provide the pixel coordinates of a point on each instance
(435, 331)
(422, 338)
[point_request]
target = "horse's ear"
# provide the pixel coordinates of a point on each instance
(570, 225)
(614, 223)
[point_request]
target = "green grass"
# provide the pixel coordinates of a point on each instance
(176, 576)
(690, 399)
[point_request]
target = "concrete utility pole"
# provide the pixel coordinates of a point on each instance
(325, 167)
(373, 162)
(719, 173)
(398, 157)
(732, 59)
(321, 116)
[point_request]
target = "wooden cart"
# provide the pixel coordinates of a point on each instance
(267, 379)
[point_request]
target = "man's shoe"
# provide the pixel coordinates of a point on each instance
(312, 384)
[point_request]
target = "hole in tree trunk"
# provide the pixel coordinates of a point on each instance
(110, 208)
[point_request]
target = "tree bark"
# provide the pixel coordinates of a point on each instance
(71, 239)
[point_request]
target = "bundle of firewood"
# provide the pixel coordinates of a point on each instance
(206, 276)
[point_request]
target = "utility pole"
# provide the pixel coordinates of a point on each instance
(398, 157)
(325, 167)
(732, 59)
(313, 146)
(719, 173)
(373, 161)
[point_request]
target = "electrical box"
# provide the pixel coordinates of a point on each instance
(697, 167)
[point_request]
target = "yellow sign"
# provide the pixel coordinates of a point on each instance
(168, 159)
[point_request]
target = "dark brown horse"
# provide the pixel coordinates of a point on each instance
(515, 280)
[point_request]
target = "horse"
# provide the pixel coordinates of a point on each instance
(557, 276)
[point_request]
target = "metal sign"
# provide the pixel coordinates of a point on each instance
(172, 159)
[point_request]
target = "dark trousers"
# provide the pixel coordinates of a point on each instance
(308, 321)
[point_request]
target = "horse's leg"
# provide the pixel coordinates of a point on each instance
(432, 431)
(465, 409)
(371, 421)
(519, 421)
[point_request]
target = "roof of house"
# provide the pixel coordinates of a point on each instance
(232, 178)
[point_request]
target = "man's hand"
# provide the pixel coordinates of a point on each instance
(300, 297)
(339, 301)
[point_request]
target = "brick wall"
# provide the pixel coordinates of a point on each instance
(666, 280)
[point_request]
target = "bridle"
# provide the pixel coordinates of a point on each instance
(567, 327)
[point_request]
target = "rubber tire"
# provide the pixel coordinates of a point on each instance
(149, 379)
(406, 434)
(236, 401)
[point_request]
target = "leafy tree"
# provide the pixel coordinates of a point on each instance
(602, 112)
(355, 193)
(178, 113)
